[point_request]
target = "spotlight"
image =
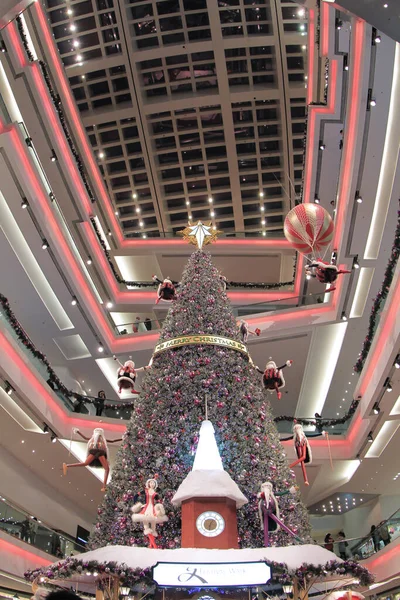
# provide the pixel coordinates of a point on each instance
(3, 47)
(53, 438)
(141, 223)
(261, 194)
(308, 277)
(370, 439)
(53, 156)
(359, 199)
(45, 245)
(356, 264)
(89, 260)
(100, 348)
(262, 208)
(24, 203)
(210, 200)
(8, 388)
(70, 11)
(46, 428)
(28, 141)
(317, 200)
(134, 195)
(109, 304)
(138, 208)
(397, 363)
(101, 154)
(74, 301)
(72, 27)
(343, 317)
(339, 24)
(378, 39)
(75, 43)
(375, 409)
(52, 197)
(322, 146)
(212, 213)
(109, 232)
(372, 102)
(389, 387)
(346, 67)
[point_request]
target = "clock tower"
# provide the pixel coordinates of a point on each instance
(209, 498)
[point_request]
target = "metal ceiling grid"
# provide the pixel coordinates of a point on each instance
(194, 109)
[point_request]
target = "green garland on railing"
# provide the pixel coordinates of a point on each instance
(132, 577)
(380, 298)
(141, 284)
(53, 381)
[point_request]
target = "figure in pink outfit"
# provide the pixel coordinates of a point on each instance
(303, 450)
(149, 510)
(127, 375)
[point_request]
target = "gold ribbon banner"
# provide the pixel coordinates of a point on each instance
(207, 340)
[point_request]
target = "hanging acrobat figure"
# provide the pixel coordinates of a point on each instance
(244, 331)
(325, 272)
(303, 450)
(166, 290)
(273, 379)
(97, 453)
(149, 510)
(127, 375)
(268, 510)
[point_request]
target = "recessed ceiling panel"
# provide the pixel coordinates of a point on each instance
(73, 347)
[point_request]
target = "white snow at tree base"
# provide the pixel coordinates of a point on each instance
(209, 484)
(208, 477)
(134, 557)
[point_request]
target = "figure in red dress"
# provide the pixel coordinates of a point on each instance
(268, 510)
(149, 510)
(303, 450)
(127, 375)
(324, 272)
(97, 453)
(166, 290)
(273, 379)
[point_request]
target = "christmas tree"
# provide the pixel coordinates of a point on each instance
(162, 435)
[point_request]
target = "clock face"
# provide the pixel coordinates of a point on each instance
(210, 523)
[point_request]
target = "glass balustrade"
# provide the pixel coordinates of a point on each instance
(361, 548)
(27, 528)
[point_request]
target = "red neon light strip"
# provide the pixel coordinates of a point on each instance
(16, 43)
(351, 132)
(324, 29)
(80, 280)
(38, 389)
(311, 55)
(383, 336)
(10, 548)
(386, 556)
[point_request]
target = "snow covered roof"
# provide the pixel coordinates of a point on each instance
(292, 556)
(210, 483)
(208, 478)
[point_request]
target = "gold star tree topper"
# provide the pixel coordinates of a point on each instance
(200, 234)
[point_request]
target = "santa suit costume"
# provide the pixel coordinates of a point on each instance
(303, 450)
(126, 376)
(150, 512)
(273, 379)
(166, 290)
(324, 272)
(268, 511)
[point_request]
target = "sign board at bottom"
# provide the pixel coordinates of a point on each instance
(241, 574)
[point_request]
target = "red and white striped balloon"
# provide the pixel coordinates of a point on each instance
(308, 228)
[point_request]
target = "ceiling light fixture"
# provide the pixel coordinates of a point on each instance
(109, 232)
(397, 362)
(89, 260)
(138, 209)
(24, 203)
(70, 11)
(101, 154)
(134, 195)
(339, 24)
(372, 102)
(72, 27)
(376, 410)
(378, 39)
(261, 194)
(74, 301)
(100, 348)
(317, 200)
(370, 439)
(79, 57)
(304, 47)
(343, 317)
(210, 200)
(262, 208)
(389, 387)
(53, 156)
(109, 304)
(141, 223)
(75, 43)
(8, 388)
(45, 245)
(356, 264)
(322, 146)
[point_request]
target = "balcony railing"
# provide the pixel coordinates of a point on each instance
(27, 528)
